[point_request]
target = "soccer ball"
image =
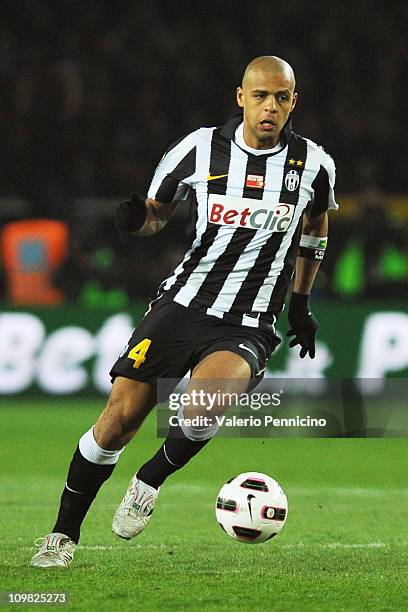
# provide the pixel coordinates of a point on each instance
(251, 507)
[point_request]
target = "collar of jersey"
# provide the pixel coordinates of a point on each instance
(228, 132)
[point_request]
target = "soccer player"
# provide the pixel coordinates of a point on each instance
(261, 195)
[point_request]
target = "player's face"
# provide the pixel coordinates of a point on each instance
(267, 99)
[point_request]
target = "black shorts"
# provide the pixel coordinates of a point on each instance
(171, 340)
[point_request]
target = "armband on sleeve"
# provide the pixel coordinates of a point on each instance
(312, 247)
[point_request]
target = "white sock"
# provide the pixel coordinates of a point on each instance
(196, 434)
(91, 450)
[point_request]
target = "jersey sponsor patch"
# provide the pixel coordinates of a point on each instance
(256, 181)
(248, 213)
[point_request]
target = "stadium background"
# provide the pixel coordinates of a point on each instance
(92, 94)
(92, 97)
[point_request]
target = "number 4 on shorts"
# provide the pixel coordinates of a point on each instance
(138, 352)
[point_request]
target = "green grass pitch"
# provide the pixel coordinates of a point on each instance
(344, 546)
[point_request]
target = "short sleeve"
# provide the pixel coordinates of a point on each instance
(174, 176)
(323, 187)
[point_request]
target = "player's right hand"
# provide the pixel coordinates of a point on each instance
(130, 216)
(304, 326)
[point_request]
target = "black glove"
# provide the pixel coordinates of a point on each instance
(303, 325)
(130, 216)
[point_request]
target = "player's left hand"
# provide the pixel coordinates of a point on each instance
(303, 325)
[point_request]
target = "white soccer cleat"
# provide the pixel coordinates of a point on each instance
(135, 509)
(56, 550)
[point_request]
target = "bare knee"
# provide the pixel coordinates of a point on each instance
(128, 405)
(221, 376)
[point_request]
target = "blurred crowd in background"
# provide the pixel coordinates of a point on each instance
(93, 93)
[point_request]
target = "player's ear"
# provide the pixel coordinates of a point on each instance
(295, 99)
(240, 97)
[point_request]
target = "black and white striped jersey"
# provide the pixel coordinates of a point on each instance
(249, 219)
